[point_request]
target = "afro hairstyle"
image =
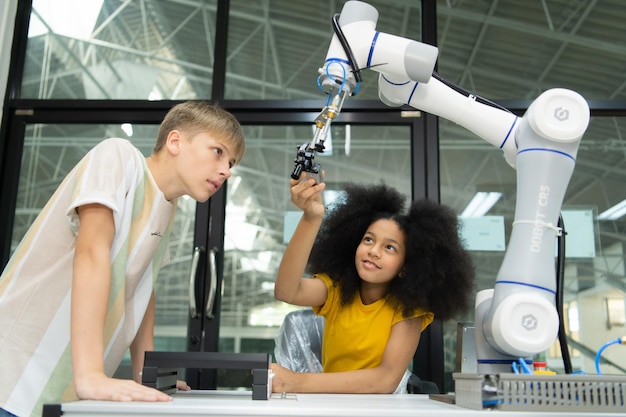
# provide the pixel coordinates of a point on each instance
(438, 272)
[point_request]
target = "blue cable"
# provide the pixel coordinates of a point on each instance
(328, 64)
(515, 368)
(343, 81)
(606, 345)
(524, 366)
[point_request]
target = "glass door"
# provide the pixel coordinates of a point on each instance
(238, 237)
(260, 218)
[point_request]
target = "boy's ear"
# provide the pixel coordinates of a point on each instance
(173, 142)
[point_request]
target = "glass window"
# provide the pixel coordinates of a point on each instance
(516, 50)
(276, 47)
(594, 265)
(110, 50)
(164, 49)
(260, 215)
(52, 150)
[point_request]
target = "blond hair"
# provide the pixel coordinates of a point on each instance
(194, 117)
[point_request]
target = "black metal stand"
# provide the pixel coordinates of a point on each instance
(159, 368)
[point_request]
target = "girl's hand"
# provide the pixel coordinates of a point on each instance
(182, 385)
(283, 380)
(307, 195)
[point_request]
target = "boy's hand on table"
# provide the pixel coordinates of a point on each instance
(101, 387)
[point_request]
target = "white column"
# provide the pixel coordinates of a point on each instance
(8, 9)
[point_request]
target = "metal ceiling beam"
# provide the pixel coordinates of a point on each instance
(517, 26)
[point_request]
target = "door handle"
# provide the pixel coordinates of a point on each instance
(210, 301)
(193, 311)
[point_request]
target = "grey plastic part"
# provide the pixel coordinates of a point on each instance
(357, 11)
(419, 61)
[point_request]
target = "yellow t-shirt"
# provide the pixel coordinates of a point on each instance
(355, 335)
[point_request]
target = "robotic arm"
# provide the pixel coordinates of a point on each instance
(517, 318)
(341, 74)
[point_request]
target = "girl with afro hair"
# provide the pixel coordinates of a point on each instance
(378, 274)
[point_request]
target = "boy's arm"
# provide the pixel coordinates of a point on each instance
(143, 342)
(90, 296)
(383, 379)
(290, 285)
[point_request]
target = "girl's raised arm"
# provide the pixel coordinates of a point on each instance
(291, 285)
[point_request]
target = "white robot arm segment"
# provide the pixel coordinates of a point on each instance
(490, 123)
(518, 317)
(522, 320)
(369, 49)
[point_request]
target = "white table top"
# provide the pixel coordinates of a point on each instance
(240, 403)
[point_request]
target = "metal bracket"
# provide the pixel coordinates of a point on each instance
(159, 368)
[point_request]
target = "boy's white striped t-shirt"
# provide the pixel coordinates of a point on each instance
(35, 361)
